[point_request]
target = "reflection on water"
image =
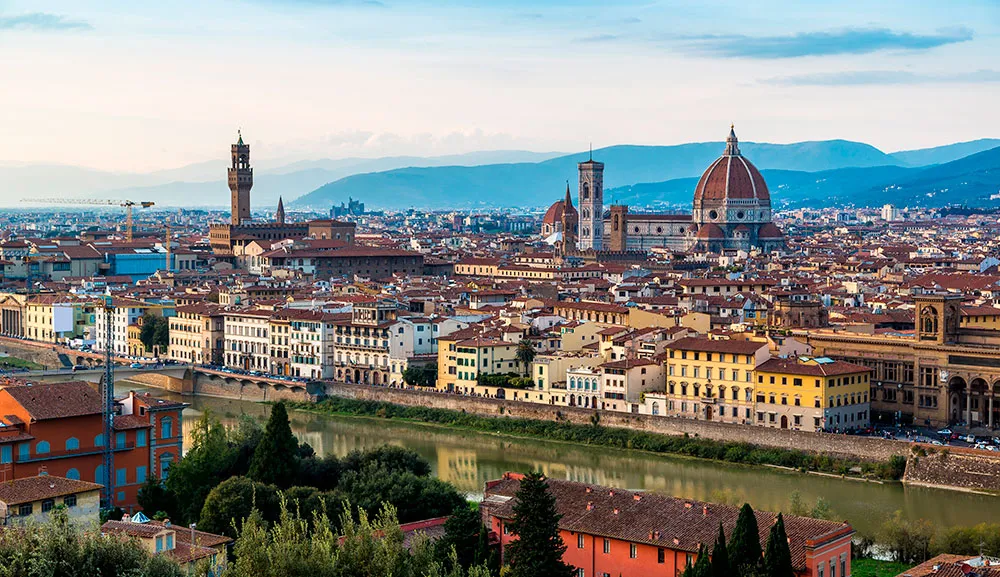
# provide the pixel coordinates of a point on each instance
(468, 460)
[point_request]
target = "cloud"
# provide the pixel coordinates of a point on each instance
(41, 21)
(872, 77)
(323, 3)
(596, 38)
(824, 43)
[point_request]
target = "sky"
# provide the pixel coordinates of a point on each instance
(139, 86)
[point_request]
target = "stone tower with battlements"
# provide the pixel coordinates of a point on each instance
(240, 182)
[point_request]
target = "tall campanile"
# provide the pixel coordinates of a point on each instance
(240, 182)
(591, 205)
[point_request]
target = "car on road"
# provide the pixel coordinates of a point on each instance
(136, 365)
(936, 442)
(944, 432)
(970, 439)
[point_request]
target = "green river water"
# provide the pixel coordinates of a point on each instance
(469, 459)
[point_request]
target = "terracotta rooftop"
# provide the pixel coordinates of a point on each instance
(657, 520)
(56, 400)
(31, 489)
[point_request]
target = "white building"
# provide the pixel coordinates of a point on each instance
(246, 339)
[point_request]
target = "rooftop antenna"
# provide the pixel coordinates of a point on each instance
(591, 151)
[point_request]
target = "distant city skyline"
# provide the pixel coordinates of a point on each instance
(125, 86)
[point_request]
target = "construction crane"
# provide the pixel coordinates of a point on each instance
(128, 204)
(107, 309)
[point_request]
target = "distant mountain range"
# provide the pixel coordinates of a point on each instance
(822, 172)
(800, 174)
(204, 183)
(970, 180)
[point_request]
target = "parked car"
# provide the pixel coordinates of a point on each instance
(970, 439)
(136, 365)
(79, 368)
(944, 432)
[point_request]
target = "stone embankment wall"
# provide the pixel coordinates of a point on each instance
(866, 448)
(41, 353)
(161, 381)
(954, 467)
(211, 385)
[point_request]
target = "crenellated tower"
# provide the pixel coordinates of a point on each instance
(240, 182)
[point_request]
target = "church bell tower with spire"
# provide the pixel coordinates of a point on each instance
(591, 236)
(240, 182)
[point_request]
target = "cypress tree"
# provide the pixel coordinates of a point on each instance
(702, 565)
(778, 557)
(538, 549)
(720, 556)
(744, 543)
(274, 460)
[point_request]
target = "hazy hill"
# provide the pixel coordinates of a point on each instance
(970, 180)
(942, 154)
(539, 183)
(204, 183)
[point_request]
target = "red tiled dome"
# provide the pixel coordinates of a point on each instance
(711, 231)
(731, 176)
(769, 230)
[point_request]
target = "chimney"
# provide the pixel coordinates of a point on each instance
(677, 541)
(704, 511)
(616, 511)
(193, 525)
(650, 535)
(166, 523)
(590, 505)
(637, 497)
(687, 505)
(656, 535)
(589, 489)
(611, 493)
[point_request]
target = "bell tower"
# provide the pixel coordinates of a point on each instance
(240, 182)
(591, 236)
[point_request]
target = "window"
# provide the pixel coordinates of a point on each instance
(170, 541)
(607, 546)
(69, 501)
(23, 452)
(579, 541)
(6, 454)
(660, 555)
(72, 444)
(47, 505)
(73, 474)
(25, 510)
(120, 440)
(632, 551)
(581, 573)
(121, 477)
(140, 474)
(166, 428)
(99, 440)
(159, 544)
(140, 438)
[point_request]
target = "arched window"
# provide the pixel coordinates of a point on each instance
(42, 447)
(73, 474)
(99, 475)
(166, 459)
(99, 440)
(166, 428)
(72, 444)
(586, 191)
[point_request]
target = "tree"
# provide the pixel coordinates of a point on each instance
(274, 460)
(720, 556)
(525, 354)
(390, 458)
(155, 498)
(155, 332)
(59, 548)
(413, 497)
(744, 543)
(421, 376)
(538, 549)
(208, 462)
(906, 541)
(465, 536)
(702, 566)
(778, 557)
(233, 501)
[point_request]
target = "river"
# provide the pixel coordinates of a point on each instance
(468, 460)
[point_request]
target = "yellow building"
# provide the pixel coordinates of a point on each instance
(196, 334)
(712, 379)
(483, 356)
(812, 394)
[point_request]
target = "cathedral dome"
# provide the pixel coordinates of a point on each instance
(731, 177)
(554, 215)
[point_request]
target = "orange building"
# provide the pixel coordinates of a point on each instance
(58, 429)
(614, 532)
